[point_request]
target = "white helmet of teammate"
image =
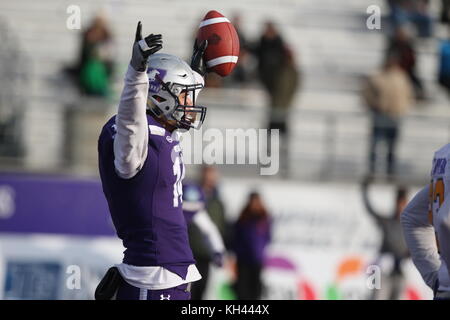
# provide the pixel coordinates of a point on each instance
(169, 76)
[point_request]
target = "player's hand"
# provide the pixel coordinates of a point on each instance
(197, 61)
(143, 48)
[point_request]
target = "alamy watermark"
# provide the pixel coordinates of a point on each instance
(373, 281)
(73, 21)
(373, 22)
(73, 281)
(232, 146)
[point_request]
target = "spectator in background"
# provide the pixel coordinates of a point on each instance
(411, 11)
(94, 69)
(284, 92)
(216, 211)
(280, 77)
(214, 204)
(401, 44)
(393, 245)
(243, 70)
(236, 22)
(198, 219)
(389, 96)
(444, 65)
(252, 233)
(278, 74)
(445, 12)
(271, 56)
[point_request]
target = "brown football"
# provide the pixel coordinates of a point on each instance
(222, 52)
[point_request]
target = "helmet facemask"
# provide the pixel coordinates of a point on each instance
(186, 113)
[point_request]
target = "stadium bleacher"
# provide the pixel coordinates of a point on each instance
(330, 128)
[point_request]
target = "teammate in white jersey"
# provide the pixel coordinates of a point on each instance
(426, 227)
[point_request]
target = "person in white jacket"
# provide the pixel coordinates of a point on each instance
(426, 227)
(194, 210)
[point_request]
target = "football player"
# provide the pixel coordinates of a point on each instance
(426, 227)
(197, 218)
(141, 169)
(195, 212)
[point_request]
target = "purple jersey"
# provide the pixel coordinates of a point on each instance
(147, 208)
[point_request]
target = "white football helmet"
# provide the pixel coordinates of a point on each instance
(169, 76)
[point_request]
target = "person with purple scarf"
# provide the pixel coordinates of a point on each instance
(252, 233)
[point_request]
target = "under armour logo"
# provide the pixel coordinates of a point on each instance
(165, 298)
(152, 74)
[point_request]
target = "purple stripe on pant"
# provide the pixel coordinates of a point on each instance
(129, 292)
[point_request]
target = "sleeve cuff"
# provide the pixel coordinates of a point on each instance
(135, 77)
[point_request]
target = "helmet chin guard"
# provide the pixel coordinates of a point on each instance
(173, 89)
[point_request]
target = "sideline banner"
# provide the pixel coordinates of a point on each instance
(324, 243)
(57, 240)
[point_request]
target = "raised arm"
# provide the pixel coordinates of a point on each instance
(365, 194)
(420, 237)
(131, 140)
